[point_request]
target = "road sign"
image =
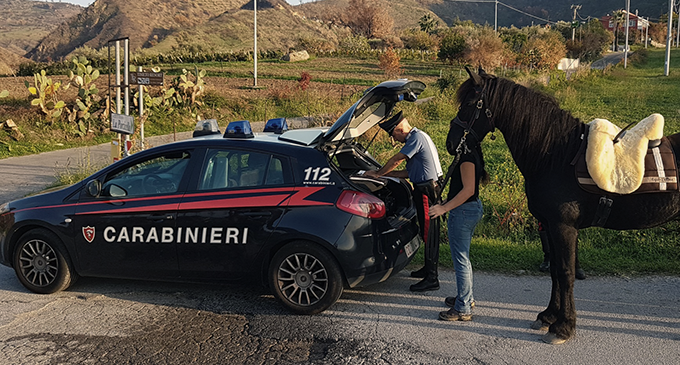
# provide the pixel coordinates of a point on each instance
(146, 78)
(122, 123)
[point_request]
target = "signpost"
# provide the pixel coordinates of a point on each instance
(146, 78)
(122, 123)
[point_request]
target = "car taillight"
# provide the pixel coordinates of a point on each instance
(362, 204)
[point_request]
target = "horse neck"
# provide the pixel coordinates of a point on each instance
(539, 135)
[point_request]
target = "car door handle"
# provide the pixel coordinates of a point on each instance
(161, 217)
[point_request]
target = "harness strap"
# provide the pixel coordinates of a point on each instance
(582, 147)
(602, 214)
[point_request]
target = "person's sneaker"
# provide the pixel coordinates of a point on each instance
(580, 274)
(454, 315)
(425, 285)
(451, 302)
(420, 273)
(544, 266)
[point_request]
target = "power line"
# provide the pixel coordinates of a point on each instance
(506, 5)
(527, 14)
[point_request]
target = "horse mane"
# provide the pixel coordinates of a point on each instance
(535, 128)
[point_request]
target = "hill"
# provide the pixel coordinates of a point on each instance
(405, 13)
(10, 61)
(164, 24)
(226, 25)
(23, 23)
(528, 12)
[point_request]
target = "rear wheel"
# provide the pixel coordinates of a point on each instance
(305, 278)
(42, 264)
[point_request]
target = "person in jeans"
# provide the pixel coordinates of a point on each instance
(424, 172)
(465, 211)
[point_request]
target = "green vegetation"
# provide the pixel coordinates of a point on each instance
(507, 239)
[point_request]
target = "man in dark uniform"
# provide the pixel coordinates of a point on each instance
(425, 172)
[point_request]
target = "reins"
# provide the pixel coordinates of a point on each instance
(462, 147)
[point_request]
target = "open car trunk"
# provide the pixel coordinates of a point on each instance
(352, 160)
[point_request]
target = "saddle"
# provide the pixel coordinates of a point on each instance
(639, 160)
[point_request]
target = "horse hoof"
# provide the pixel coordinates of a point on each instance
(552, 339)
(539, 325)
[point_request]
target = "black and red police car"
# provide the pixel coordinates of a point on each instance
(287, 206)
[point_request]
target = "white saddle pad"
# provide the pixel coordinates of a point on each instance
(619, 167)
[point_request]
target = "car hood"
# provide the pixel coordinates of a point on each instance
(372, 108)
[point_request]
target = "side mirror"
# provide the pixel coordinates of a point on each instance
(94, 188)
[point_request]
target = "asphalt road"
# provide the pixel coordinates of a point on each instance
(104, 321)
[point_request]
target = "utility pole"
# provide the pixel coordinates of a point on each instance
(573, 30)
(625, 46)
(646, 32)
(495, 19)
(677, 33)
(255, 43)
(669, 38)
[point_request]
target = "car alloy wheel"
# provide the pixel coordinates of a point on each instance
(305, 277)
(40, 263)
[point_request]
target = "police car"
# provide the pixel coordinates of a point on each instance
(287, 206)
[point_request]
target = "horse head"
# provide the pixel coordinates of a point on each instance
(474, 120)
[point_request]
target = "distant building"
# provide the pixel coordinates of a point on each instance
(636, 22)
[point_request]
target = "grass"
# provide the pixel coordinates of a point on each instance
(506, 240)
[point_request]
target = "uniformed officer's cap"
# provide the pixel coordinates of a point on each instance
(392, 123)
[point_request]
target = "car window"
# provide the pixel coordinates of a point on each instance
(156, 175)
(237, 168)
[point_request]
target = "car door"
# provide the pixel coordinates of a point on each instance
(128, 230)
(237, 201)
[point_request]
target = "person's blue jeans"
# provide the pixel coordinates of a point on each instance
(461, 224)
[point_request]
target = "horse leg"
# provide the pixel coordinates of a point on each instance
(549, 315)
(562, 270)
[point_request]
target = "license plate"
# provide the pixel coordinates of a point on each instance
(411, 247)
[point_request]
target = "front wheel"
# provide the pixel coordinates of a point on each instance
(305, 278)
(41, 263)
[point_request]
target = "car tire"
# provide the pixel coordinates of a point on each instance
(306, 278)
(42, 263)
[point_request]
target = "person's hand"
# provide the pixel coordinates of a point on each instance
(437, 211)
(371, 173)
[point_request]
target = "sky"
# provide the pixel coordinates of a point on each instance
(86, 3)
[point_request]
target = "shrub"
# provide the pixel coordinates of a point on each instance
(354, 44)
(389, 63)
(305, 79)
(420, 40)
(483, 48)
(452, 47)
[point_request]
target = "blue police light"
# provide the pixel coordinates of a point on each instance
(239, 129)
(206, 127)
(276, 125)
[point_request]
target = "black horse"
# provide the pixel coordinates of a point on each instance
(543, 140)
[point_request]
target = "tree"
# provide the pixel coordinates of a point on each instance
(369, 19)
(389, 62)
(428, 24)
(483, 47)
(451, 47)
(543, 50)
(618, 17)
(418, 39)
(593, 39)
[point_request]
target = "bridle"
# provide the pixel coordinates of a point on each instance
(467, 126)
(462, 147)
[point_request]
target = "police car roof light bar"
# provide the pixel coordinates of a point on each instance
(239, 129)
(276, 125)
(206, 127)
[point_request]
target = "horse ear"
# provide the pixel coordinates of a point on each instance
(481, 71)
(477, 79)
